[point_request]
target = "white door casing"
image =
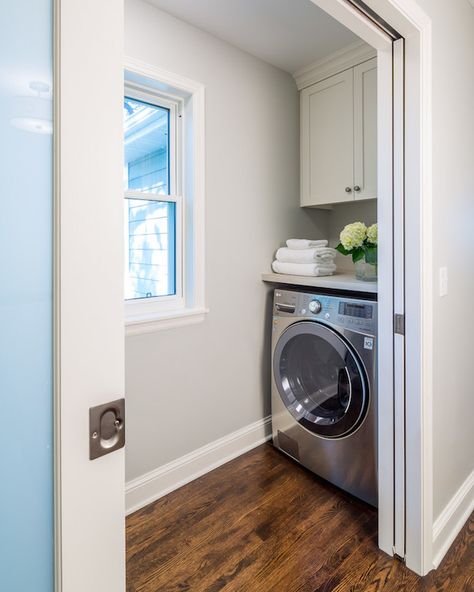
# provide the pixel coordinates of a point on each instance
(90, 539)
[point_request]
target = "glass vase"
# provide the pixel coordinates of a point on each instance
(367, 272)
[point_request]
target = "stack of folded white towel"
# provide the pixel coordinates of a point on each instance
(305, 257)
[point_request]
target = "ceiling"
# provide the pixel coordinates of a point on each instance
(289, 34)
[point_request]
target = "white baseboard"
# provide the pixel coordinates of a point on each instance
(149, 487)
(451, 520)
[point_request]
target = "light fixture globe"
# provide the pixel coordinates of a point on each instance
(34, 113)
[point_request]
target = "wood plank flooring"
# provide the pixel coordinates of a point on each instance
(262, 523)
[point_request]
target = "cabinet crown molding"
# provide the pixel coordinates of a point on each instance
(340, 60)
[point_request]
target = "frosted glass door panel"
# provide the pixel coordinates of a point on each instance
(26, 400)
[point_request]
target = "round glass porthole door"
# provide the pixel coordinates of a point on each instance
(320, 380)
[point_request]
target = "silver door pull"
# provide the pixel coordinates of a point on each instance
(106, 428)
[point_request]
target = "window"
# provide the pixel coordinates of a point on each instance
(153, 229)
(163, 175)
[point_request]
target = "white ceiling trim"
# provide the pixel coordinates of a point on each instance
(340, 60)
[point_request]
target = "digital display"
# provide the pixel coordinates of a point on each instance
(360, 311)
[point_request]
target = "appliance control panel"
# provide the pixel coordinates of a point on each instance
(349, 313)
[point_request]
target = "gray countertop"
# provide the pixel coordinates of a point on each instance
(338, 281)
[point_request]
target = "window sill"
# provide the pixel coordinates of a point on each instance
(153, 322)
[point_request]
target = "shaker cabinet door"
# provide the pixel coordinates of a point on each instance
(327, 141)
(365, 130)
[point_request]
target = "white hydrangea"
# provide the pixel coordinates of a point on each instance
(372, 235)
(353, 235)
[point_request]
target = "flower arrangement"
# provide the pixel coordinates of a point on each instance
(359, 241)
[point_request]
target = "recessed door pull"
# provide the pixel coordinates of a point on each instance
(399, 324)
(106, 428)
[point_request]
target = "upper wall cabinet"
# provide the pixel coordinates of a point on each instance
(339, 137)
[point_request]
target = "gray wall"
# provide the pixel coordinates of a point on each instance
(453, 244)
(189, 386)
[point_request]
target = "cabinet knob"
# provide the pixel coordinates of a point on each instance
(348, 189)
(357, 188)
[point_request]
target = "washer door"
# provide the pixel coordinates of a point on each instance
(320, 379)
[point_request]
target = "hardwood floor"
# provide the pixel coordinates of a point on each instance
(261, 523)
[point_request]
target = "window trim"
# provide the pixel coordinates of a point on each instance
(169, 88)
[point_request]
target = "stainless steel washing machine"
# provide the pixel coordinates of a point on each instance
(324, 395)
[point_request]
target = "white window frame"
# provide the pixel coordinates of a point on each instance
(185, 99)
(173, 302)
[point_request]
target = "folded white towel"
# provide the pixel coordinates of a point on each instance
(307, 269)
(315, 254)
(304, 243)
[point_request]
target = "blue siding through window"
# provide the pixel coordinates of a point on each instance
(150, 173)
(151, 248)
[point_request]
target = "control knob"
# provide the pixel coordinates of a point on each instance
(315, 306)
